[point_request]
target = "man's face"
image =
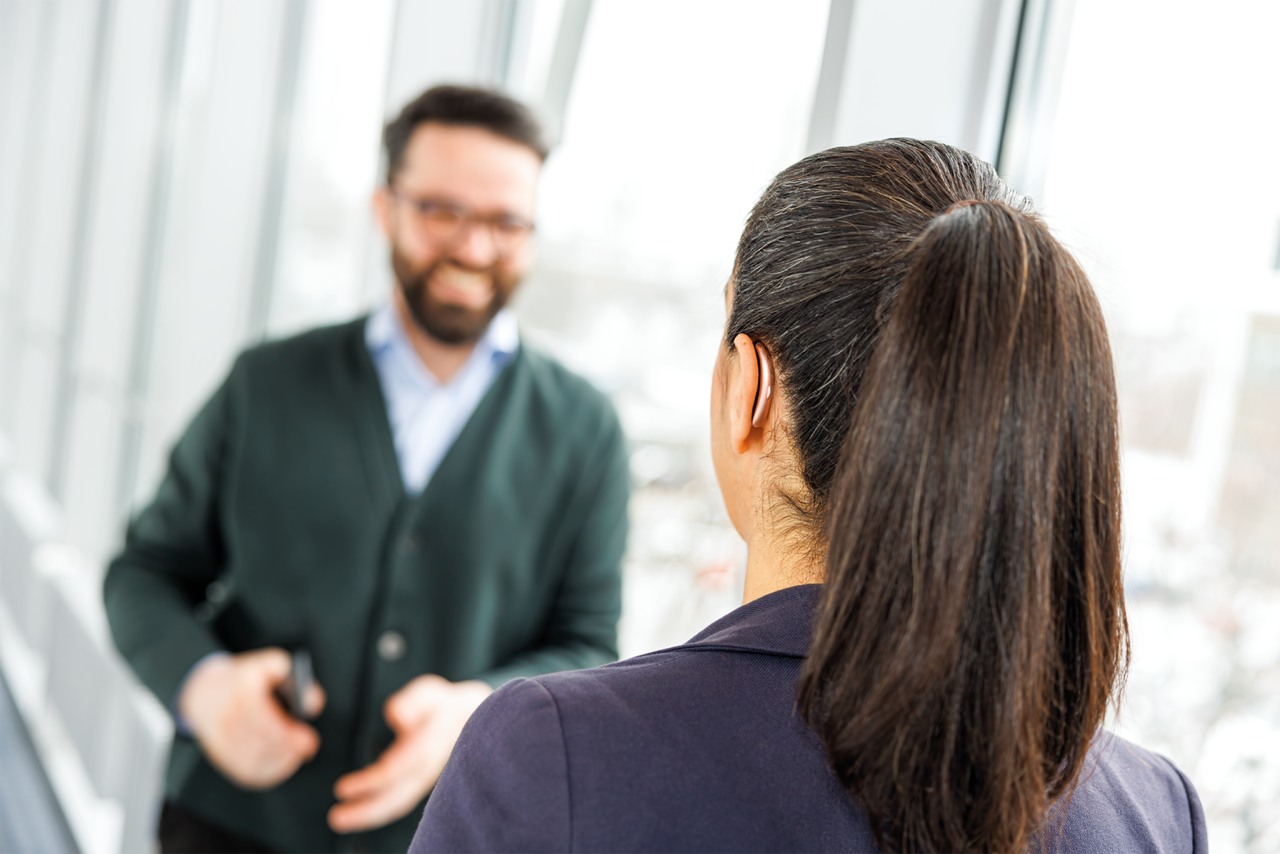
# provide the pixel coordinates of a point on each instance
(453, 286)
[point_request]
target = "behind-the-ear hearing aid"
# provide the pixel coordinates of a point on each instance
(764, 391)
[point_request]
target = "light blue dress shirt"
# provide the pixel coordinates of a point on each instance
(426, 415)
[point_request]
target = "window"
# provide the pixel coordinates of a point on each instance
(1163, 176)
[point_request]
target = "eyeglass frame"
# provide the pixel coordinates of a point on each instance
(467, 219)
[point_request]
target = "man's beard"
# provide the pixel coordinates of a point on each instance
(449, 324)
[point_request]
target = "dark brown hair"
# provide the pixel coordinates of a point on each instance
(462, 106)
(951, 401)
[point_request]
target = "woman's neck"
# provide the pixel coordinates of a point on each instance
(776, 563)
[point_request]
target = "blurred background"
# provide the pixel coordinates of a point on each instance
(182, 178)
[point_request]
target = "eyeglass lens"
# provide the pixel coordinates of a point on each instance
(447, 224)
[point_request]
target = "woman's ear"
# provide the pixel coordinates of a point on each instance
(750, 392)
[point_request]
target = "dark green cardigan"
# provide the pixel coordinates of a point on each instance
(286, 491)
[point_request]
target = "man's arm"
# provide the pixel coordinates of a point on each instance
(173, 550)
(582, 627)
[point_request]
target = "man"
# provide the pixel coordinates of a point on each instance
(423, 504)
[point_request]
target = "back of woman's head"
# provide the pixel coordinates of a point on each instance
(951, 406)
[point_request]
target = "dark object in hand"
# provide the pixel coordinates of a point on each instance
(294, 689)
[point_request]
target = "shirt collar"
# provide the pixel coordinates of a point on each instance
(503, 335)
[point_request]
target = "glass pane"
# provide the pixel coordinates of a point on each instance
(325, 229)
(1164, 177)
(680, 115)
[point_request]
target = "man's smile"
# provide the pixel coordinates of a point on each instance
(450, 284)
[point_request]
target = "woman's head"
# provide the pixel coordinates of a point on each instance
(823, 255)
(950, 423)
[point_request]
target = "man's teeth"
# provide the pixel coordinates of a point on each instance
(466, 282)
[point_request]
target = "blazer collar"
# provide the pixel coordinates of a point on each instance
(780, 623)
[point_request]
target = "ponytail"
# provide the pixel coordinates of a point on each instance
(972, 628)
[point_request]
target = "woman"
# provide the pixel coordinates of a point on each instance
(914, 405)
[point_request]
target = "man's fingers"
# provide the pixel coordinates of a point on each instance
(375, 810)
(410, 707)
(359, 784)
(304, 740)
(239, 722)
(314, 701)
(389, 768)
(285, 745)
(426, 715)
(301, 739)
(273, 663)
(405, 717)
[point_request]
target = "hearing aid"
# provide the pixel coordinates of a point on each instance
(765, 389)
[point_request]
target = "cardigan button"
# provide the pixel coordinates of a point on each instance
(216, 592)
(408, 545)
(391, 645)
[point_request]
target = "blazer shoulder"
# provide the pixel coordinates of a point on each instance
(622, 687)
(506, 787)
(1129, 798)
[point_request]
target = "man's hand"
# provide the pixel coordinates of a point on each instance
(228, 702)
(427, 715)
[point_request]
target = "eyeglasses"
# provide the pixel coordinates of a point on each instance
(448, 223)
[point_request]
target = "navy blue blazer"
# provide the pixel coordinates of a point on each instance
(698, 748)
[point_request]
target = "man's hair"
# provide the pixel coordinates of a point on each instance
(462, 106)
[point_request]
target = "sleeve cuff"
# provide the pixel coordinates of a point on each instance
(180, 723)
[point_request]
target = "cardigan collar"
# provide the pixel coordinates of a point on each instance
(780, 623)
(373, 425)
